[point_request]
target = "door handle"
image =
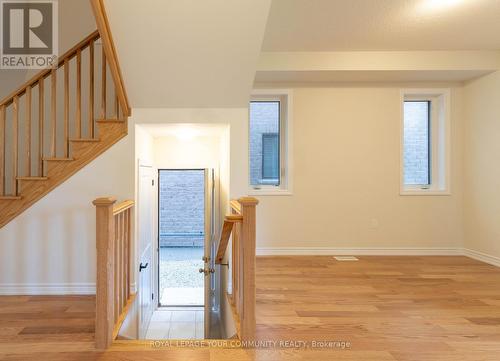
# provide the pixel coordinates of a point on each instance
(141, 267)
(206, 271)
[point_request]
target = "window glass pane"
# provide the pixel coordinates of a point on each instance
(416, 143)
(264, 143)
(270, 157)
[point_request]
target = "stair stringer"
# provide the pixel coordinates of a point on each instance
(59, 170)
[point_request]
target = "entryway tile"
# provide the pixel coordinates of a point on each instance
(157, 330)
(182, 330)
(200, 316)
(183, 316)
(200, 330)
(162, 316)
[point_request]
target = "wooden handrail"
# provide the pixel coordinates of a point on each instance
(56, 129)
(122, 207)
(114, 245)
(46, 72)
(235, 206)
(227, 227)
(111, 55)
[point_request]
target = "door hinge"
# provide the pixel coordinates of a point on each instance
(152, 182)
(152, 296)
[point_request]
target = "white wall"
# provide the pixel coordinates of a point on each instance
(50, 248)
(346, 174)
(188, 53)
(236, 119)
(482, 165)
(198, 152)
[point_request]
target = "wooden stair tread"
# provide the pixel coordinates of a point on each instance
(32, 178)
(10, 198)
(93, 140)
(58, 159)
(105, 121)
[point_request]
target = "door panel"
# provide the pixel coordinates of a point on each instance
(145, 247)
(211, 219)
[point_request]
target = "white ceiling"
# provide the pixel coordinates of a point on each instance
(185, 130)
(340, 25)
(188, 53)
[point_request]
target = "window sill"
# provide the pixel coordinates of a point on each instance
(269, 192)
(424, 192)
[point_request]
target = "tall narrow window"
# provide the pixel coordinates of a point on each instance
(425, 142)
(265, 143)
(417, 142)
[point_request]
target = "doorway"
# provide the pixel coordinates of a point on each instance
(181, 237)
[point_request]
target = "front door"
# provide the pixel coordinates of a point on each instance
(145, 247)
(209, 254)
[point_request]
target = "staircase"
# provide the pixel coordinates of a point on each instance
(61, 120)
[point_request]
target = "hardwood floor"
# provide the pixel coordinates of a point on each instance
(385, 308)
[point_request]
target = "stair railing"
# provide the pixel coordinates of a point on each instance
(114, 244)
(242, 225)
(40, 119)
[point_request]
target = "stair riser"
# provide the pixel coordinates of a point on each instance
(80, 149)
(27, 184)
(107, 129)
(55, 166)
(60, 170)
(85, 150)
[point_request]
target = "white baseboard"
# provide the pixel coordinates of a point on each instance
(379, 251)
(483, 257)
(47, 289)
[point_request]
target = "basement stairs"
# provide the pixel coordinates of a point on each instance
(60, 120)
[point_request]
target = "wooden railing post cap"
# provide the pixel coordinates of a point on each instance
(104, 201)
(248, 201)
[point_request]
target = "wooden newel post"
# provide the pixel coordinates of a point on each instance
(247, 267)
(105, 235)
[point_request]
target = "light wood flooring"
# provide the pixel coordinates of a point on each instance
(385, 308)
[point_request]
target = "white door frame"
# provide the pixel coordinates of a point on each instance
(143, 164)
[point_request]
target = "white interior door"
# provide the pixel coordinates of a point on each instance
(145, 247)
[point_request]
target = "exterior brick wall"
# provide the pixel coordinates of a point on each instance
(182, 208)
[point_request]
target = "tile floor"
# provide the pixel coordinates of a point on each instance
(176, 323)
